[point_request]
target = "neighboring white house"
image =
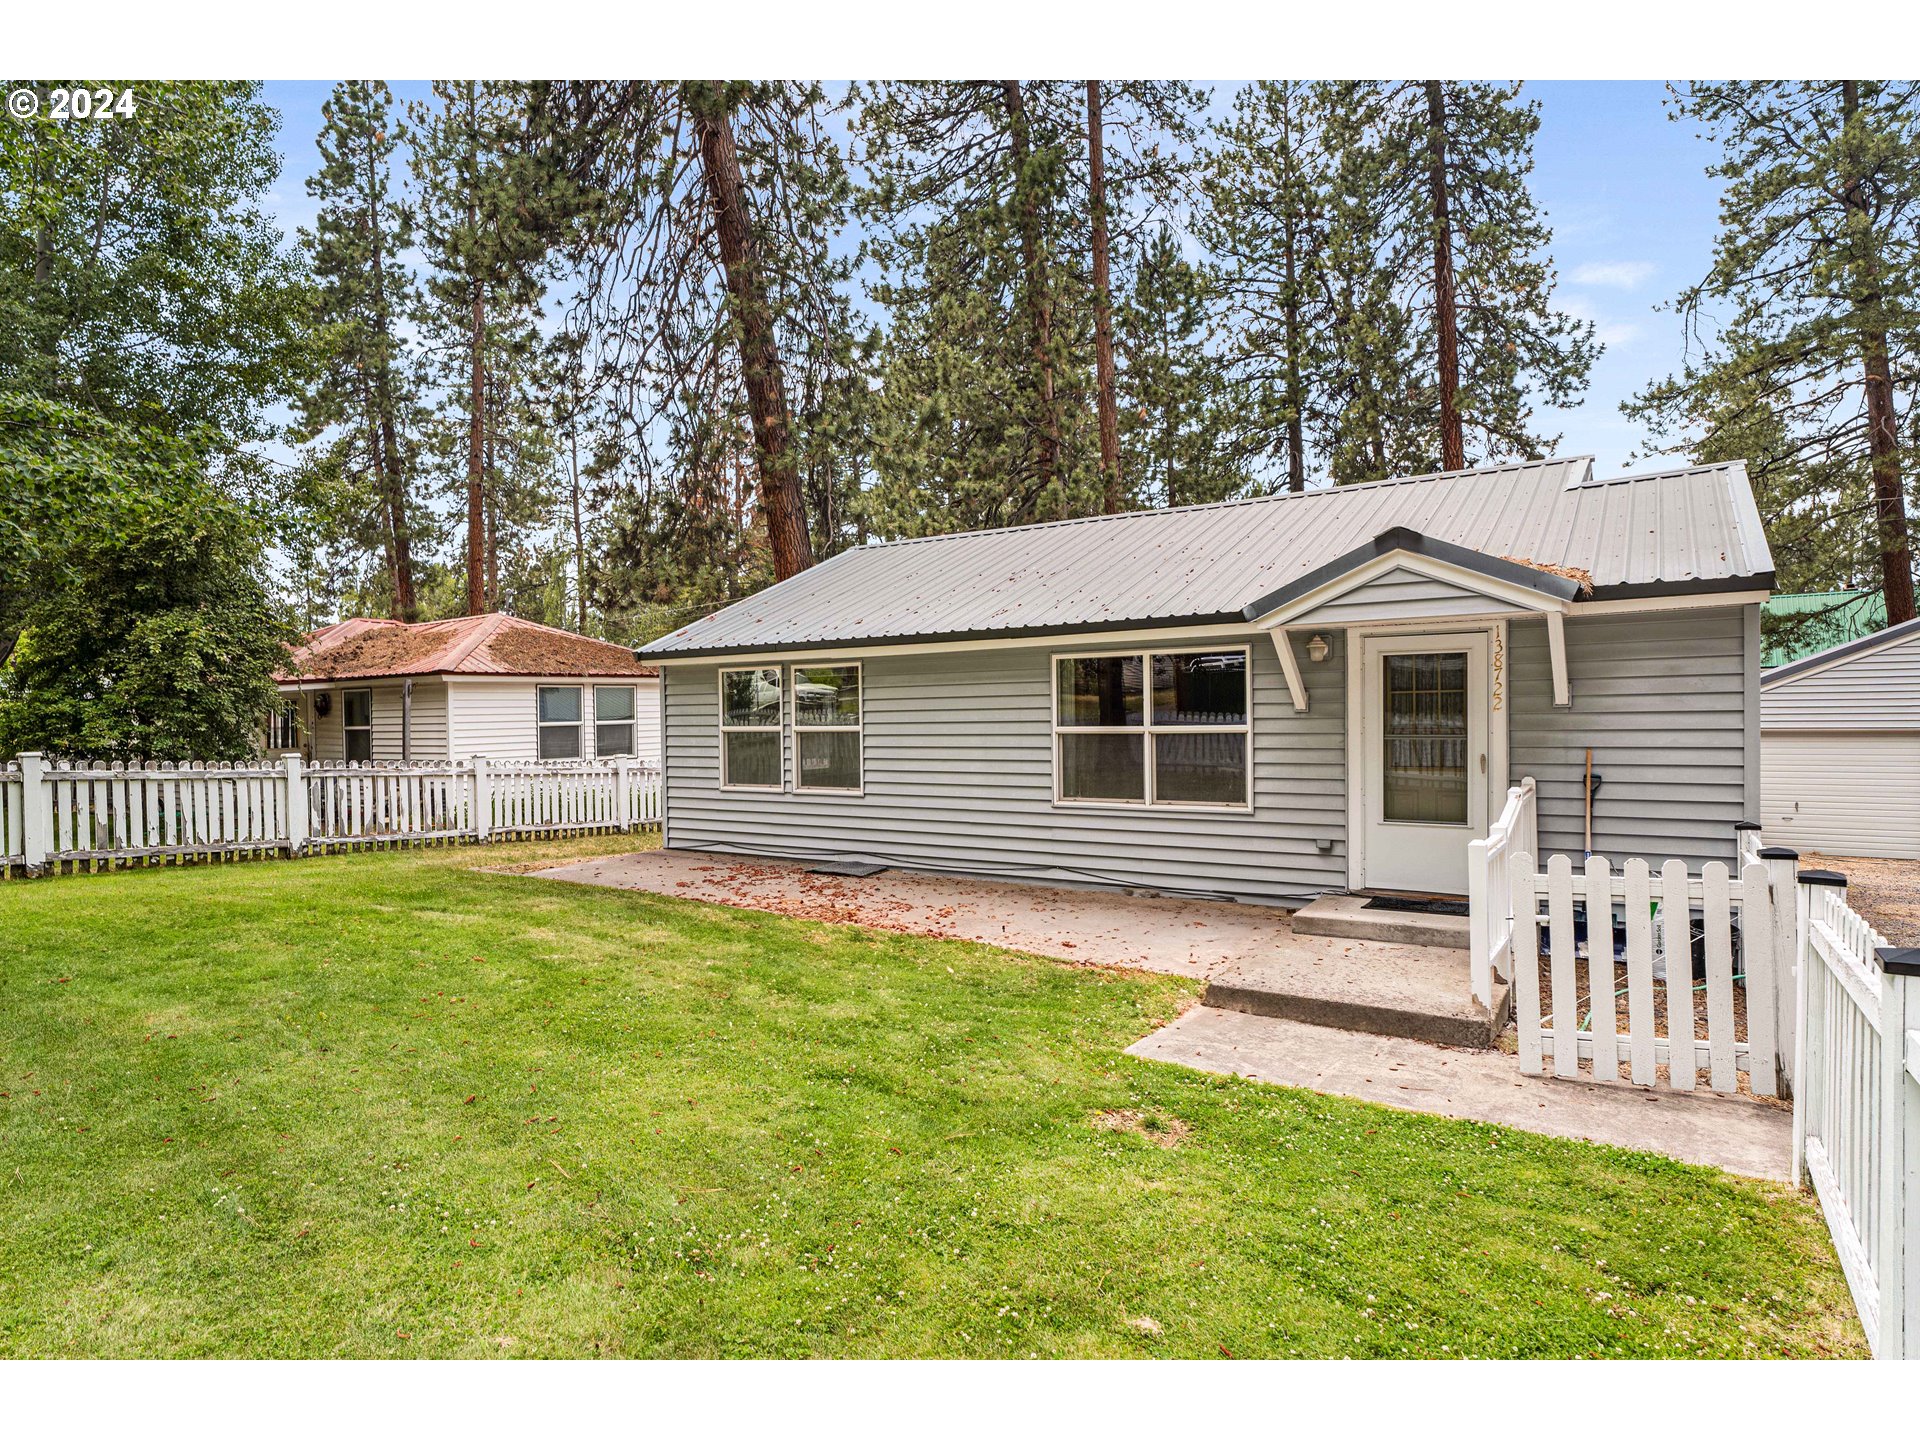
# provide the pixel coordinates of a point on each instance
(1840, 748)
(488, 685)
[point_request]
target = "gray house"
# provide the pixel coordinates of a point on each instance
(1263, 700)
(1840, 747)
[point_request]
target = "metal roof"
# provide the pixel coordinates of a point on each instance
(1677, 531)
(1847, 649)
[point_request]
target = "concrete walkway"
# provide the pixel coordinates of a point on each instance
(1741, 1135)
(1249, 950)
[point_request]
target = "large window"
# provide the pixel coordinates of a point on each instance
(750, 721)
(826, 727)
(559, 717)
(356, 723)
(1152, 728)
(613, 720)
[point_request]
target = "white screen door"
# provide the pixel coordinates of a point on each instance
(1425, 759)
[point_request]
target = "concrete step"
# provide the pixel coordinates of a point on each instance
(1347, 917)
(1457, 1020)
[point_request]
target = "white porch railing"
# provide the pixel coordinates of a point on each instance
(72, 816)
(1490, 888)
(1856, 1115)
(1545, 904)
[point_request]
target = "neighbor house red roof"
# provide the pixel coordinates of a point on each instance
(471, 645)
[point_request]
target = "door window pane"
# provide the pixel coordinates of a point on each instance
(827, 759)
(1424, 735)
(1200, 769)
(752, 757)
(357, 708)
(750, 697)
(360, 746)
(1103, 767)
(1102, 690)
(1200, 689)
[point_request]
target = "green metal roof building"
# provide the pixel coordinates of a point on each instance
(1825, 618)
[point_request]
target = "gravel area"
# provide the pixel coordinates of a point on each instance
(1887, 892)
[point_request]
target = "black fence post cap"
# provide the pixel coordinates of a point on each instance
(1821, 877)
(1898, 960)
(1778, 852)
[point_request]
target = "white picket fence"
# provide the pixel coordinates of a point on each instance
(1856, 1114)
(60, 815)
(1544, 905)
(1490, 888)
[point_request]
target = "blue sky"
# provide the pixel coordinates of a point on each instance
(1624, 188)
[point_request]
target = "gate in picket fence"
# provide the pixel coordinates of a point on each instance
(1688, 986)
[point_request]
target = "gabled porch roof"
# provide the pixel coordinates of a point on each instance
(1404, 577)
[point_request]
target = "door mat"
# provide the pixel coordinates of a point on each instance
(849, 867)
(1416, 907)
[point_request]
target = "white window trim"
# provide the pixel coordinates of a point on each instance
(346, 729)
(1147, 729)
(632, 722)
(778, 728)
(579, 726)
(858, 728)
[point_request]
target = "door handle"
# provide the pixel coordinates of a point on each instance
(1483, 764)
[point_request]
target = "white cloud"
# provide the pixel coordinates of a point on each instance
(1609, 330)
(1617, 274)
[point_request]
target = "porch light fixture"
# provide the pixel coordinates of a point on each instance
(1317, 649)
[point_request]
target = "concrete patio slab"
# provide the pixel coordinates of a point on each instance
(1251, 957)
(1740, 1135)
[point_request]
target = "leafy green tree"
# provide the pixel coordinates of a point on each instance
(362, 398)
(1804, 334)
(136, 622)
(140, 276)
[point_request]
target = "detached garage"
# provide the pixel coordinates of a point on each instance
(1840, 748)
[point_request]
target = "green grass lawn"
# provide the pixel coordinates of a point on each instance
(389, 1105)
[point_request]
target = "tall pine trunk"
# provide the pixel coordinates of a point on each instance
(1453, 450)
(390, 469)
(1296, 397)
(1883, 438)
(476, 462)
(579, 532)
(1102, 305)
(1033, 259)
(752, 313)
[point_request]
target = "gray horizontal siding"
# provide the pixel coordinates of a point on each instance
(1663, 700)
(959, 767)
(959, 776)
(1877, 690)
(1402, 594)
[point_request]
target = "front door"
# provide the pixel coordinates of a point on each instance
(1424, 733)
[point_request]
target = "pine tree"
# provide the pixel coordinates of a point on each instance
(1808, 323)
(493, 208)
(364, 294)
(707, 275)
(1469, 254)
(1170, 432)
(1265, 222)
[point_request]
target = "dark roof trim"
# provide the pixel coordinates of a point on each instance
(1659, 589)
(1893, 634)
(1403, 540)
(872, 642)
